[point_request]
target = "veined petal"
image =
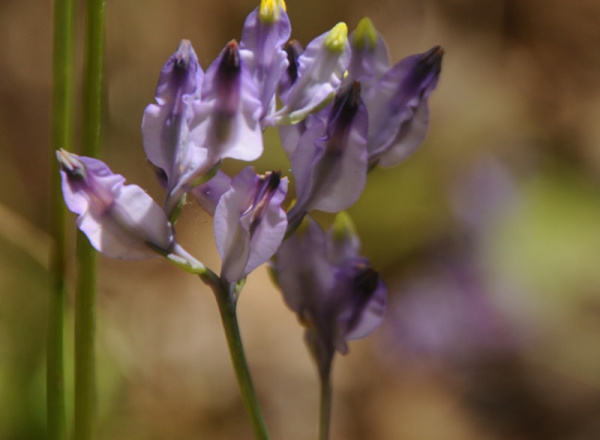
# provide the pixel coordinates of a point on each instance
(121, 221)
(261, 48)
(320, 71)
(249, 222)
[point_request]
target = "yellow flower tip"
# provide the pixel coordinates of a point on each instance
(270, 10)
(365, 35)
(343, 227)
(337, 37)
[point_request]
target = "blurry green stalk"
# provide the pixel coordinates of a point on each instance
(85, 303)
(325, 404)
(61, 132)
(226, 296)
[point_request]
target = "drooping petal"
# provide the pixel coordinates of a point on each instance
(320, 71)
(398, 112)
(249, 222)
(121, 221)
(265, 33)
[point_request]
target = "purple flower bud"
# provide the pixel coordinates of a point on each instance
(261, 48)
(249, 222)
(336, 299)
(398, 108)
(121, 221)
(330, 162)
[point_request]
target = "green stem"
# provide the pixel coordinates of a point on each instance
(325, 405)
(85, 313)
(85, 328)
(227, 307)
(61, 126)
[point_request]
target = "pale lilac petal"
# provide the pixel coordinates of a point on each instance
(249, 223)
(331, 171)
(226, 122)
(301, 268)
(121, 221)
(261, 49)
(208, 194)
(320, 73)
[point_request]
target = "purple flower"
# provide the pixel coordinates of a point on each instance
(335, 293)
(121, 221)
(249, 222)
(330, 161)
(396, 98)
(320, 69)
(165, 126)
(265, 32)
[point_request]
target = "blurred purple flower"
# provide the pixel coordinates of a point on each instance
(330, 162)
(335, 293)
(448, 316)
(249, 222)
(121, 221)
(396, 97)
(264, 35)
(208, 194)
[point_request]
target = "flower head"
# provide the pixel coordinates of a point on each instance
(335, 293)
(249, 222)
(121, 221)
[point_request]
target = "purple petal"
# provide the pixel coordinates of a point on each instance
(249, 222)
(331, 171)
(208, 194)
(261, 49)
(163, 125)
(320, 73)
(119, 220)
(226, 120)
(398, 101)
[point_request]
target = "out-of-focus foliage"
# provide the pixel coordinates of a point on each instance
(519, 86)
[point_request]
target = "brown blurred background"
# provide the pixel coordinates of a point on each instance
(488, 237)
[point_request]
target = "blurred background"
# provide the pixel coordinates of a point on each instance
(488, 238)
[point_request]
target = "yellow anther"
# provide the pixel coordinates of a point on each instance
(337, 37)
(270, 10)
(365, 35)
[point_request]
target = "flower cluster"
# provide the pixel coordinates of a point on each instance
(343, 109)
